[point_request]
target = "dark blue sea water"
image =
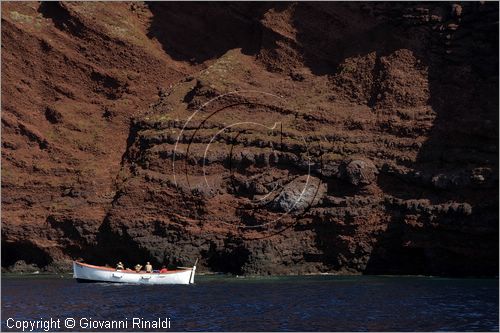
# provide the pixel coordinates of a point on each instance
(313, 303)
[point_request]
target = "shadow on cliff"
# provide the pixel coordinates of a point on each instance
(230, 259)
(328, 33)
(463, 90)
(25, 251)
(197, 32)
(112, 247)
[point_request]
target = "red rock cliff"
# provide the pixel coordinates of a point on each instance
(265, 138)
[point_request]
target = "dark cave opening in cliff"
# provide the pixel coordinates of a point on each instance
(27, 252)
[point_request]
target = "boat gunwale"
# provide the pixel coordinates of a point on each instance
(129, 272)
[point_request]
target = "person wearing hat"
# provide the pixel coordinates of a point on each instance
(119, 266)
(148, 267)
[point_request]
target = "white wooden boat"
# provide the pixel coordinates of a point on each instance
(90, 273)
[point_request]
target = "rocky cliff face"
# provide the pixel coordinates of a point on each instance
(269, 138)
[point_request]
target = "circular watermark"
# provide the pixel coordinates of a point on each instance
(282, 197)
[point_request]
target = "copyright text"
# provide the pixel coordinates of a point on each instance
(50, 324)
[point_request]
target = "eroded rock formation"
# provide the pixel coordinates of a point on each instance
(266, 138)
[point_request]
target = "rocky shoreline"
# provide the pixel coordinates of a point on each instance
(264, 139)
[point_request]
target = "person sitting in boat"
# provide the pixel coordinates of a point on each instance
(163, 269)
(119, 266)
(138, 268)
(149, 268)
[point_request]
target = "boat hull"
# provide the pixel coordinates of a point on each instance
(89, 273)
